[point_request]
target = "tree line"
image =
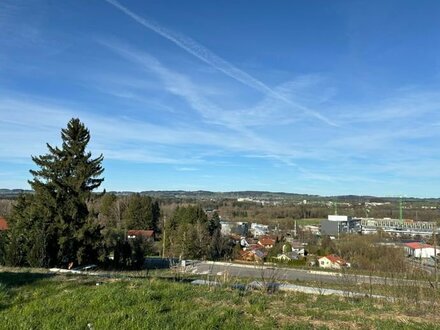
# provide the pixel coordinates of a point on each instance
(64, 223)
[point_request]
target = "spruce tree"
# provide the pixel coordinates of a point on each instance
(141, 213)
(58, 219)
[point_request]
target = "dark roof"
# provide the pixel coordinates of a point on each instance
(292, 254)
(141, 233)
(289, 255)
(260, 253)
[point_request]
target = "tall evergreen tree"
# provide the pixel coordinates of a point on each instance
(110, 211)
(214, 224)
(155, 216)
(141, 213)
(57, 218)
(188, 232)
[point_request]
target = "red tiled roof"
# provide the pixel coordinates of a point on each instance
(266, 241)
(3, 224)
(141, 233)
(261, 253)
(417, 245)
(243, 253)
(335, 259)
(268, 236)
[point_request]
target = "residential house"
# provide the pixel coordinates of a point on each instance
(234, 228)
(267, 242)
(253, 255)
(299, 248)
(145, 234)
(3, 224)
(226, 228)
(421, 250)
(241, 228)
(300, 251)
(243, 242)
(259, 230)
(252, 246)
(332, 261)
(288, 256)
(312, 229)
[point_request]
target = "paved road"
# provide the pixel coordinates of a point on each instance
(426, 266)
(269, 274)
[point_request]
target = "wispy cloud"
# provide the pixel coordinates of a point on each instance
(362, 140)
(269, 111)
(25, 126)
(240, 122)
(15, 31)
(201, 52)
(186, 169)
(402, 105)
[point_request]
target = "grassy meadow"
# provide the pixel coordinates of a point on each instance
(37, 300)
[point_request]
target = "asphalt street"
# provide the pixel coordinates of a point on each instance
(269, 274)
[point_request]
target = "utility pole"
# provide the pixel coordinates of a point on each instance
(435, 254)
(163, 238)
(118, 206)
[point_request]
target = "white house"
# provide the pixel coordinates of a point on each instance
(300, 251)
(332, 261)
(288, 256)
(312, 229)
(421, 250)
(226, 228)
(259, 230)
(297, 247)
(243, 242)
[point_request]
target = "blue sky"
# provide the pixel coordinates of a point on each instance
(319, 97)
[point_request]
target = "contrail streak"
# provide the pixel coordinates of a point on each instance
(204, 54)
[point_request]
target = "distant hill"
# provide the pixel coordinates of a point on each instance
(229, 194)
(261, 195)
(13, 193)
(267, 195)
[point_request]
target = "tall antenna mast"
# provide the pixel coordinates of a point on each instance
(400, 210)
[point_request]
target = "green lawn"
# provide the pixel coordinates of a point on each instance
(41, 301)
